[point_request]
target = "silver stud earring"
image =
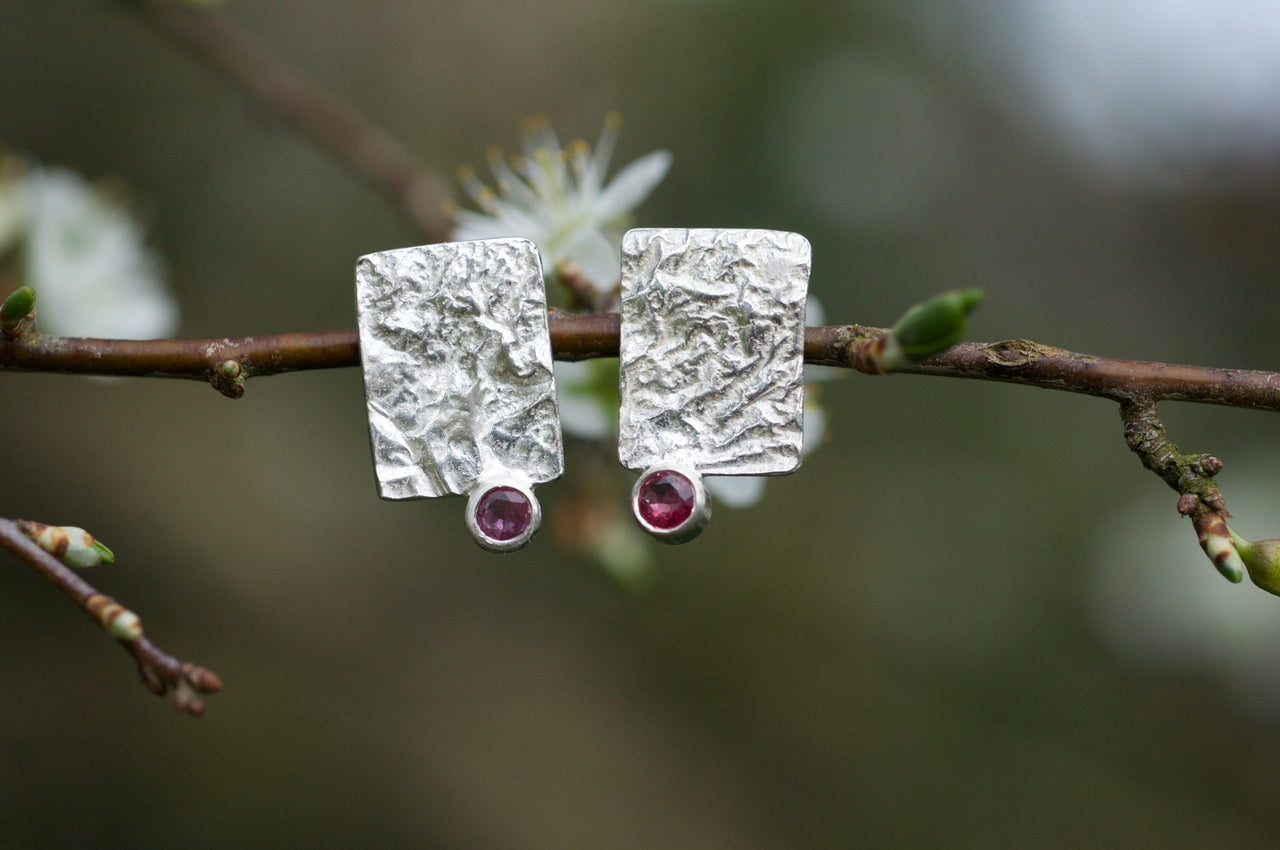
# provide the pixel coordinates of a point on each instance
(456, 357)
(711, 365)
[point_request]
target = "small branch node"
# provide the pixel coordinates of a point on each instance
(228, 378)
(867, 354)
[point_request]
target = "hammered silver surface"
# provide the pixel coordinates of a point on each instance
(712, 350)
(457, 366)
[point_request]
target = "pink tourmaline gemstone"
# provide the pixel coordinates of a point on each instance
(666, 499)
(503, 513)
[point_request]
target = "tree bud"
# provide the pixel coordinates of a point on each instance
(1262, 559)
(16, 308)
(929, 328)
(1216, 539)
(75, 547)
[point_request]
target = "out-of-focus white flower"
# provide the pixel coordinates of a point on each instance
(735, 491)
(587, 392)
(558, 198)
(86, 257)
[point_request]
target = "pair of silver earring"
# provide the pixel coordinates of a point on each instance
(461, 399)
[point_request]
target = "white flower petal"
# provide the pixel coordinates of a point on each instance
(735, 491)
(633, 184)
(815, 425)
(89, 264)
(814, 313)
(582, 413)
(584, 417)
(597, 256)
(475, 226)
(555, 197)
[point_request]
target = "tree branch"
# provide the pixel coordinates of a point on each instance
(1189, 474)
(227, 363)
(294, 97)
(1020, 361)
(161, 672)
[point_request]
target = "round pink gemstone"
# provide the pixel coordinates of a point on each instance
(503, 513)
(666, 499)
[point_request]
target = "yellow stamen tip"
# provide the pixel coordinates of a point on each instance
(613, 119)
(493, 153)
(534, 124)
(465, 173)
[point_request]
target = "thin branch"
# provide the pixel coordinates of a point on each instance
(227, 363)
(294, 97)
(1199, 496)
(1020, 361)
(161, 672)
(1189, 474)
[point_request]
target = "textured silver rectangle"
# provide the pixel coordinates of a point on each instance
(712, 352)
(457, 366)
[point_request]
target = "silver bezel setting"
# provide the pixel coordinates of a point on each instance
(698, 517)
(493, 544)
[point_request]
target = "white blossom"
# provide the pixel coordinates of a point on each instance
(84, 254)
(587, 394)
(559, 198)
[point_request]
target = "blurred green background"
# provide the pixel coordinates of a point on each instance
(971, 620)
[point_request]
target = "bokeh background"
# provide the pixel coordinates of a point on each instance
(971, 620)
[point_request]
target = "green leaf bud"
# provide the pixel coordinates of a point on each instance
(1262, 559)
(17, 307)
(937, 324)
(929, 328)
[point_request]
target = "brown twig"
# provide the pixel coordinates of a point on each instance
(294, 97)
(1189, 474)
(161, 672)
(1020, 361)
(227, 363)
